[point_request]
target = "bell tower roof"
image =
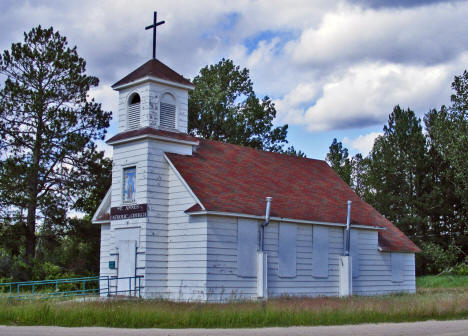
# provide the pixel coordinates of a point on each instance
(153, 69)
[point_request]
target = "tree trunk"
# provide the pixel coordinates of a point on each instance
(32, 191)
(31, 217)
(31, 233)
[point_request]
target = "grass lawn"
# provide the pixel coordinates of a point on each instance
(434, 301)
(442, 281)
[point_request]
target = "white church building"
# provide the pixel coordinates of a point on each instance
(190, 215)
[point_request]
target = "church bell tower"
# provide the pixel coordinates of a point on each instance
(153, 96)
(152, 117)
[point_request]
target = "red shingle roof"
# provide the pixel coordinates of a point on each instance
(236, 179)
(154, 68)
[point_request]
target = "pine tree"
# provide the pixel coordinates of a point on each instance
(48, 126)
(397, 172)
(337, 158)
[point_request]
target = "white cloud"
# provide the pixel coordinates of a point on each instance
(366, 93)
(423, 35)
(328, 64)
(363, 143)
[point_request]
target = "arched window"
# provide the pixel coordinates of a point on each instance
(167, 117)
(133, 120)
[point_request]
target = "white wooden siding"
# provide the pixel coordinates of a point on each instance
(157, 198)
(304, 284)
(186, 279)
(374, 275)
(152, 188)
(375, 269)
(105, 257)
(223, 282)
(287, 250)
(150, 94)
(247, 246)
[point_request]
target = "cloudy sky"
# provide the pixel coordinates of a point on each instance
(334, 68)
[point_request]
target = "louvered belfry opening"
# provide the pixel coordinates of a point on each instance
(134, 111)
(168, 111)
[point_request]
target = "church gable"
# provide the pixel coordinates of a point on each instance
(103, 212)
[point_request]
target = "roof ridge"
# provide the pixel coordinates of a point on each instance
(154, 68)
(261, 150)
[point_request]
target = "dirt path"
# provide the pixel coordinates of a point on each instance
(444, 328)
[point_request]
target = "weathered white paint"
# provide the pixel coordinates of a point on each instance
(320, 252)
(262, 275)
(346, 283)
(375, 276)
(105, 256)
(187, 246)
(287, 250)
(354, 251)
(247, 246)
(225, 284)
(150, 95)
(126, 265)
(397, 260)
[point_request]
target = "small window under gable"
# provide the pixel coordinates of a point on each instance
(167, 118)
(133, 120)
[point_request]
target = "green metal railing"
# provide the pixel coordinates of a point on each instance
(61, 288)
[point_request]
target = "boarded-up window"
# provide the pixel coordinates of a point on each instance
(247, 239)
(320, 251)
(287, 250)
(397, 267)
(354, 252)
(167, 111)
(134, 111)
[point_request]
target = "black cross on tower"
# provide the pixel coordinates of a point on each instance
(154, 25)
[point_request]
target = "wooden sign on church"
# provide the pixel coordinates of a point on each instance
(129, 211)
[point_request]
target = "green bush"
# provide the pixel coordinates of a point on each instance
(440, 259)
(461, 268)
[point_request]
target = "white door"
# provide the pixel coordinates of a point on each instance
(126, 267)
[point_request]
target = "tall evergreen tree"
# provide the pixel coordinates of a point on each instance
(337, 158)
(48, 126)
(359, 175)
(397, 172)
(447, 133)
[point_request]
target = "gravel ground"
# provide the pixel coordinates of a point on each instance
(427, 328)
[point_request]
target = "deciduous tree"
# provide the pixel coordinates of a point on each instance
(224, 107)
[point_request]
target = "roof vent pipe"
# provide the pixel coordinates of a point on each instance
(267, 214)
(347, 232)
(267, 221)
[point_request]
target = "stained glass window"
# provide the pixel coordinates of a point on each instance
(129, 184)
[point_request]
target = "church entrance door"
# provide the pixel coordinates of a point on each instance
(127, 267)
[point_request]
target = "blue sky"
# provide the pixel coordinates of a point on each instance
(335, 69)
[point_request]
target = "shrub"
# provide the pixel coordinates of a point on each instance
(441, 259)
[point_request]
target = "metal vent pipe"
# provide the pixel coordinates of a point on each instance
(347, 231)
(267, 221)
